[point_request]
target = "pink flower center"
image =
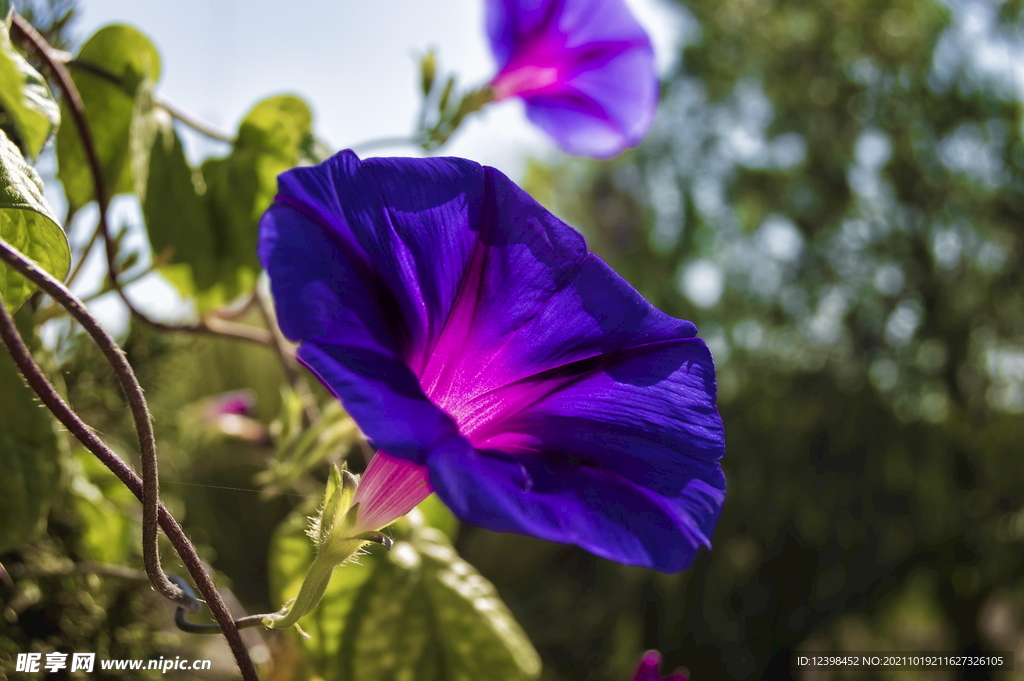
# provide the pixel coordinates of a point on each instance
(390, 487)
(523, 79)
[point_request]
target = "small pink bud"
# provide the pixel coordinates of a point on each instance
(648, 669)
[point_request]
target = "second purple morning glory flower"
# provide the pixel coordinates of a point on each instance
(493, 359)
(584, 68)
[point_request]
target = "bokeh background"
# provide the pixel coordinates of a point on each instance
(833, 191)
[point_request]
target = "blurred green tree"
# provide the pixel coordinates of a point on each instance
(834, 193)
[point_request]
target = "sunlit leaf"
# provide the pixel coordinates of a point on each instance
(240, 186)
(105, 508)
(206, 222)
(176, 215)
(109, 71)
(418, 612)
(27, 223)
(26, 97)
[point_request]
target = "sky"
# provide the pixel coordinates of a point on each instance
(355, 63)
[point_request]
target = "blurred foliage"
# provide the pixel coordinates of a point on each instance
(54, 19)
(28, 458)
(415, 612)
(834, 193)
(300, 447)
(206, 220)
(51, 610)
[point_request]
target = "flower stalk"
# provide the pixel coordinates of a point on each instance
(337, 537)
(49, 396)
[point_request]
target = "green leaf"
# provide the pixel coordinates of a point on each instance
(28, 458)
(110, 72)
(27, 222)
(175, 212)
(208, 221)
(240, 188)
(26, 97)
(106, 510)
(417, 612)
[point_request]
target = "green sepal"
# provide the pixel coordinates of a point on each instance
(341, 489)
(417, 612)
(377, 538)
(352, 515)
(331, 532)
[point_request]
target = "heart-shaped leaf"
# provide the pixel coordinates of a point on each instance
(26, 97)
(27, 222)
(418, 612)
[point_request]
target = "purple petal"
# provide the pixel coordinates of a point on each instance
(585, 69)
(533, 300)
(600, 113)
(646, 413)
(648, 669)
(331, 296)
(448, 310)
(557, 499)
(392, 218)
(643, 419)
(514, 26)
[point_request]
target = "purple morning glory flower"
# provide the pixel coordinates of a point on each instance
(492, 358)
(585, 69)
(648, 669)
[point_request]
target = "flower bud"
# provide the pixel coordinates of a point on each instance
(428, 71)
(341, 528)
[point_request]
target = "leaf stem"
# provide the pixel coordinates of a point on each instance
(188, 119)
(136, 402)
(182, 623)
(191, 121)
(85, 252)
(386, 142)
(191, 628)
(145, 489)
(288, 362)
(312, 591)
